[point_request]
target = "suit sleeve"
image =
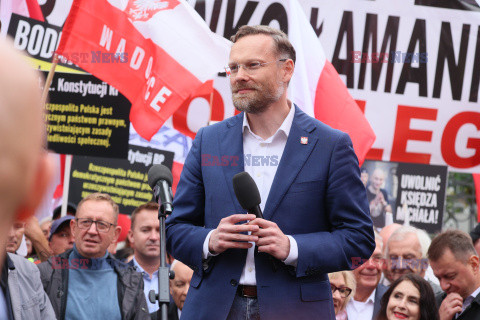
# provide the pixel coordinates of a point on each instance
(351, 236)
(46, 309)
(185, 229)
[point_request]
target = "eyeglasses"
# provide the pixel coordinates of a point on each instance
(102, 226)
(250, 67)
(344, 291)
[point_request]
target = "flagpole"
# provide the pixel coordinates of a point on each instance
(66, 184)
(48, 82)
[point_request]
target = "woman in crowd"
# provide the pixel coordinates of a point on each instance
(343, 288)
(409, 297)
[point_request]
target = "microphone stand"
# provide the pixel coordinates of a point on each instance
(164, 275)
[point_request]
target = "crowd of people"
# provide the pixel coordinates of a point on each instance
(408, 276)
(317, 222)
(412, 277)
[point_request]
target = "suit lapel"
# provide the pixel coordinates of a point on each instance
(231, 144)
(293, 158)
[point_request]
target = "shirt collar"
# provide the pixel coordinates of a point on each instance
(475, 293)
(285, 127)
(140, 269)
(372, 296)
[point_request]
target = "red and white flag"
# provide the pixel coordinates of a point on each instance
(318, 89)
(156, 53)
(26, 8)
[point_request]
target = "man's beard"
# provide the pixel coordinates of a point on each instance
(262, 97)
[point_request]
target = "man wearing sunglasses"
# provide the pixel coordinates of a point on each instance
(87, 282)
(314, 204)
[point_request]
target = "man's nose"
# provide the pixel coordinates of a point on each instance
(93, 228)
(241, 74)
(187, 286)
(155, 235)
(444, 284)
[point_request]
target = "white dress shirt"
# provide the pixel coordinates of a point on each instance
(148, 284)
(261, 160)
(357, 310)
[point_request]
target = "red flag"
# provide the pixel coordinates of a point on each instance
(157, 55)
(317, 87)
(476, 180)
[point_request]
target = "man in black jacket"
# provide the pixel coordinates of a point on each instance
(86, 282)
(456, 264)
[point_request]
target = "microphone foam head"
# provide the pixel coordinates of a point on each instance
(246, 190)
(159, 172)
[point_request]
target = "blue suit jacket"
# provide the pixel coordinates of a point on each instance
(316, 197)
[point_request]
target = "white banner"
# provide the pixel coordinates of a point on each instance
(422, 102)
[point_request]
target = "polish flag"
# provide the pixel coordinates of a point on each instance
(317, 88)
(156, 53)
(26, 8)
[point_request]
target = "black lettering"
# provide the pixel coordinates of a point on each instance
(277, 12)
(390, 37)
(370, 32)
(476, 71)
(416, 75)
(345, 66)
(446, 53)
(314, 22)
(247, 13)
(200, 8)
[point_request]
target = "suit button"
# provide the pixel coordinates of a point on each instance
(233, 282)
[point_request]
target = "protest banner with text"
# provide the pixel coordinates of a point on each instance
(125, 180)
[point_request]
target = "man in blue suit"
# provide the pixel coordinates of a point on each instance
(314, 204)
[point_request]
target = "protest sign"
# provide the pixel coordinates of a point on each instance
(86, 116)
(406, 193)
(125, 180)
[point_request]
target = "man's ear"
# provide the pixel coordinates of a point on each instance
(130, 236)
(40, 182)
(474, 261)
(288, 68)
(118, 230)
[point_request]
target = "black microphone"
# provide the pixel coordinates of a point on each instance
(160, 180)
(247, 193)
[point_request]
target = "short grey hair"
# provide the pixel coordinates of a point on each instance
(402, 232)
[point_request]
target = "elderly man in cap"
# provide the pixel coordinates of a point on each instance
(61, 238)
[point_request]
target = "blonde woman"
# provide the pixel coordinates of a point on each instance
(343, 288)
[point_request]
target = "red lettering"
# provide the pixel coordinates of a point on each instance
(215, 161)
(56, 263)
(356, 56)
(74, 263)
(64, 263)
(450, 135)
(385, 57)
(206, 160)
(234, 160)
(84, 263)
(215, 100)
(403, 134)
(225, 161)
(365, 58)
